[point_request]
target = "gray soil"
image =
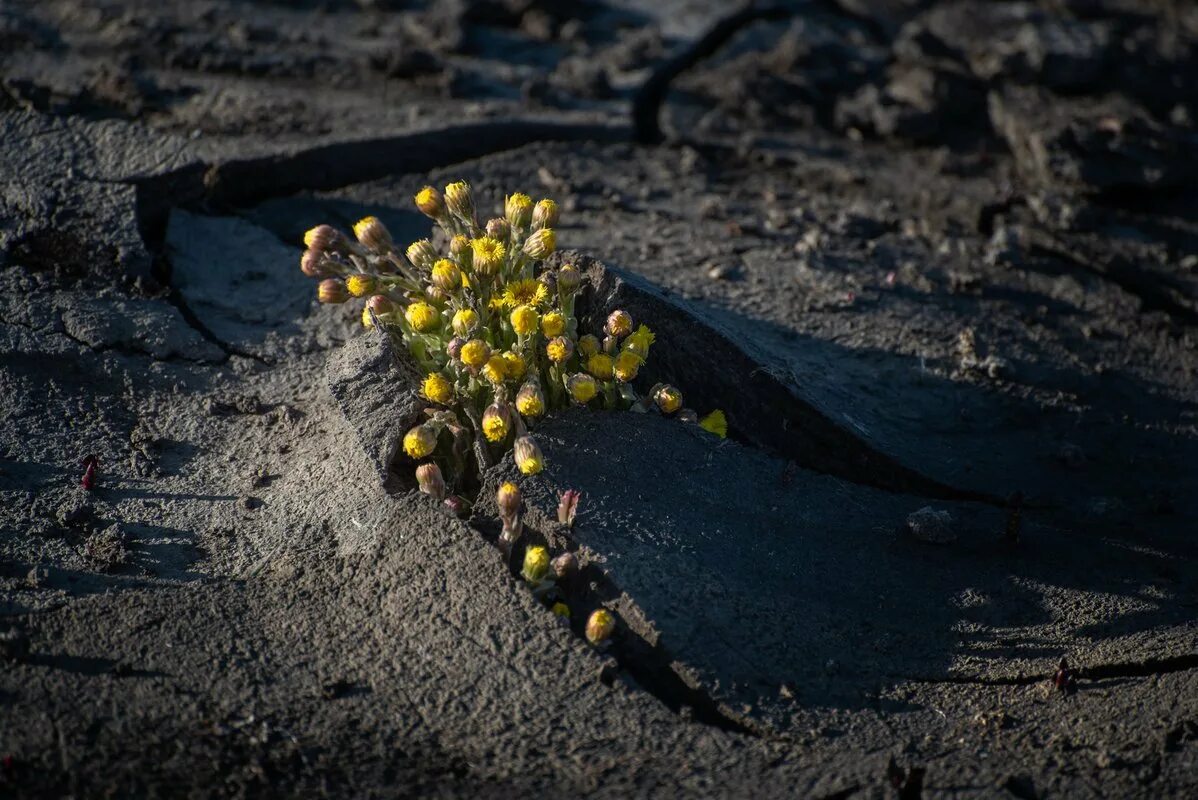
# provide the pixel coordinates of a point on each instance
(929, 257)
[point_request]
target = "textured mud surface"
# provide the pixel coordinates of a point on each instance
(925, 254)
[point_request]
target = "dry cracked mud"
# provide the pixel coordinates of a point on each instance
(929, 256)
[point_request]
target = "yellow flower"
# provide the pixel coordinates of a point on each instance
(518, 210)
(600, 365)
(464, 321)
(360, 285)
(553, 324)
(528, 456)
(496, 422)
(525, 293)
(545, 214)
(430, 202)
(536, 564)
(600, 626)
(508, 499)
(321, 238)
(332, 290)
(619, 323)
(373, 234)
(582, 387)
(459, 200)
(524, 320)
(446, 275)
(475, 353)
(367, 320)
(628, 364)
(639, 341)
(540, 244)
(422, 317)
(515, 365)
(422, 253)
(420, 441)
(588, 345)
(495, 370)
(559, 350)
(488, 254)
(668, 399)
(716, 423)
(529, 400)
(438, 388)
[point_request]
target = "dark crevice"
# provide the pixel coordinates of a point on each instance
(107, 348)
(1130, 669)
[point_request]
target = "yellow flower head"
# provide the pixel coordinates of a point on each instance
(545, 214)
(488, 255)
(530, 401)
(332, 290)
(367, 319)
(321, 238)
(508, 499)
(422, 317)
(496, 422)
(459, 200)
(536, 564)
(515, 365)
(446, 275)
(553, 324)
(668, 399)
(716, 423)
(438, 388)
(518, 210)
(420, 441)
(464, 321)
(639, 341)
(525, 293)
(524, 320)
(430, 202)
(495, 370)
(582, 388)
(627, 365)
(588, 345)
(475, 353)
(600, 365)
(559, 350)
(373, 234)
(422, 253)
(600, 626)
(540, 244)
(360, 285)
(528, 456)
(619, 323)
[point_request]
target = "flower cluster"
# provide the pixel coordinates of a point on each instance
(491, 325)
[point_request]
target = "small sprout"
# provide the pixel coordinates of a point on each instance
(528, 456)
(600, 626)
(431, 482)
(422, 317)
(488, 255)
(460, 201)
(716, 423)
(373, 235)
(457, 505)
(565, 566)
(91, 465)
(446, 275)
(545, 215)
(475, 353)
(582, 388)
(422, 254)
(567, 507)
(668, 399)
(541, 244)
(517, 209)
(559, 349)
(619, 323)
(437, 388)
(560, 609)
(332, 291)
(465, 321)
(524, 320)
(420, 441)
(497, 421)
(430, 202)
(536, 564)
(530, 401)
(360, 285)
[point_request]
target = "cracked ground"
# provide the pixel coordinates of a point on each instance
(932, 257)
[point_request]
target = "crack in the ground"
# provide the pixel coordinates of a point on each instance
(1127, 669)
(125, 350)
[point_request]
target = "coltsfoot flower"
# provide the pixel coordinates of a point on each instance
(438, 388)
(524, 320)
(464, 321)
(495, 370)
(619, 323)
(515, 366)
(488, 255)
(360, 285)
(430, 480)
(422, 317)
(600, 626)
(545, 215)
(446, 275)
(530, 401)
(497, 421)
(475, 353)
(525, 292)
(639, 341)
(314, 264)
(517, 208)
(323, 239)
(459, 246)
(498, 228)
(376, 306)
(420, 441)
(565, 565)
(536, 564)
(560, 609)
(569, 279)
(453, 348)
(460, 200)
(553, 324)
(588, 345)
(373, 234)
(332, 291)
(422, 254)
(582, 388)
(716, 423)
(528, 456)
(430, 202)
(600, 365)
(668, 399)
(559, 350)
(541, 244)
(507, 497)
(628, 364)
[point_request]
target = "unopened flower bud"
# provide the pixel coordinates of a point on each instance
(528, 456)
(459, 245)
(668, 399)
(559, 349)
(628, 364)
(322, 239)
(460, 201)
(453, 347)
(420, 441)
(464, 322)
(569, 279)
(536, 564)
(434, 295)
(360, 285)
(313, 264)
(567, 507)
(430, 202)
(373, 234)
(422, 254)
(508, 500)
(380, 304)
(582, 388)
(600, 626)
(332, 290)
(457, 505)
(541, 244)
(497, 421)
(545, 214)
(498, 228)
(565, 566)
(530, 401)
(588, 345)
(517, 208)
(431, 482)
(446, 275)
(619, 323)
